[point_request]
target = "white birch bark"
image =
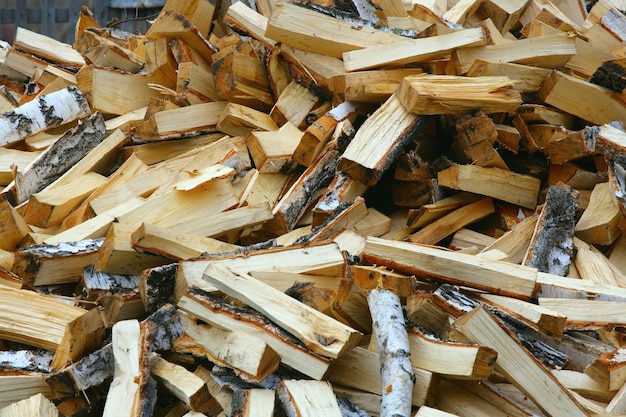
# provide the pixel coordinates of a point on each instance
(44, 112)
(393, 348)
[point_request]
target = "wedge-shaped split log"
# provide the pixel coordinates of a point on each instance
(303, 398)
(552, 245)
(219, 313)
(133, 390)
(452, 267)
(445, 94)
(253, 403)
(254, 359)
(52, 110)
(518, 365)
(599, 223)
(609, 370)
(35, 406)
(380, 140)
(56, 264)
(184, 385)
(320, 333)
(59, 157)
(508, 186)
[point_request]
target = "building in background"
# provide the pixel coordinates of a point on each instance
(56, 18)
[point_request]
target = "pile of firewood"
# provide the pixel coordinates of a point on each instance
(399, 208)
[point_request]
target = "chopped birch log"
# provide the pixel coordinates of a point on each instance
(551, 248)
(518, 365)
(447, 94)
(35, 406)
(609, 370)
(184, 385)
(498, 183)
(493, 276)
(303, 398)
(395, 357)
(320, 333)
(52, 110)
(253, 403)
(241, 352)
(133, 391)
(380, 141)
(599, 223)
(219, 313)
(58, 158)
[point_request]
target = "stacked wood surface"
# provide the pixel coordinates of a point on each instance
(407, 208)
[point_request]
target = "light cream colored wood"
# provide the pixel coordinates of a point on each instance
(47, 48)
(505, 185)
(583, 384)
(239, 120)
(546, 321)
(300, 320)
(242, 352)
(586, 313)
(304, 398)
(255, 403)
(518, 365)
(291, 354)
(172, 244)
(294, 104)
(426, 411)
(599, 223)
(272, 152)
(36, 405)
(183, 384)
(412, 51)
(553, 286)
(591, 264)
(452, 267)
(599, 107)
(449, 94)
(311, 31)
(525, 78)
(545, 52)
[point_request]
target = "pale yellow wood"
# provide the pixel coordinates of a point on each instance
(518, 365)
(462, 11)
(426, 411)
(591, 264)
(474, 271)
(294, 104)
(583, 384)
(173, 244)
(586, 313)
(243, 352)
(411, 51)
(450, 94)
(599, 223)
(272, 152)
(546, 321)
(36, 405)
(309, 398)
(311, 31)
(297, 318)
(525, 78)
(239, 120)
(545, 52)
(47, 48)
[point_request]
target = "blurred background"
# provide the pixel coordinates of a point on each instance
(56, 18)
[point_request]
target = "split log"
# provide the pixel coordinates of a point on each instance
(591, 264)
(54, 264)
(599, 222)
(52, 110)
(380, 140)
(518, 365)
(56, 160)
(253, 402)
(250, 357)
(447, 225)
(239, 120)
(445, 94)
(93, 369)
(331, 337)
(374, 86)
(586, 314)
(220, 314)
(36, 406)
(544, 52)
(551, 248)
(273, 151)
(307, 398)
(452, 267)
(395, 354)
(312, 31)
(184, 385)
(294, 104)
(505, 185)
(608, 370)
(13, 227)
(120, 306)
(413, 50)
(133, 390)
